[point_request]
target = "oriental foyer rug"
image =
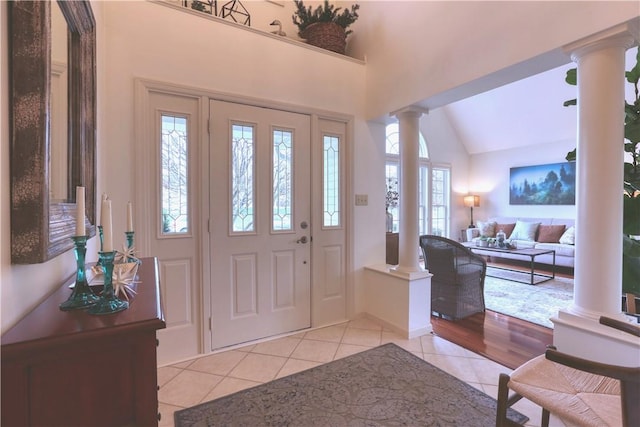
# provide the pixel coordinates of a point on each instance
(384, 386)
(533, 303)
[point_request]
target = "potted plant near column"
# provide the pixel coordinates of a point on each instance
(325, 26)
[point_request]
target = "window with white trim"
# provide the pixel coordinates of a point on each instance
(434, 187)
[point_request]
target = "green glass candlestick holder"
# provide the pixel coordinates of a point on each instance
(101, 237)
(82, 296)
(108, 302)
(130, 248)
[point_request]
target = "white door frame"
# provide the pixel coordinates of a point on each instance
(143, 170)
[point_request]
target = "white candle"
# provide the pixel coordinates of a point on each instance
(129, 217)
(107, 245)
(104, 197)
(80, 227)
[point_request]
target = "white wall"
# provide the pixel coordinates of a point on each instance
(441, 51)
(445, 147)
(489, 178)
(368, 227)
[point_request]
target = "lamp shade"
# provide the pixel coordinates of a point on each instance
(471, 201)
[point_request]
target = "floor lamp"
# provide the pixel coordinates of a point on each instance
(471, 202)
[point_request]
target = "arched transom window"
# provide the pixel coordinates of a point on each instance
(433, 188)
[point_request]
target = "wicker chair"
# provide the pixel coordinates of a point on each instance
(580, 392)
(457, 285)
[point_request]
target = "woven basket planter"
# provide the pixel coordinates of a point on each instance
(327, 35)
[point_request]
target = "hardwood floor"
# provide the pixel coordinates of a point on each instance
(503, 339)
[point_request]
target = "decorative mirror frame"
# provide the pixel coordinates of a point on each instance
(40, 229)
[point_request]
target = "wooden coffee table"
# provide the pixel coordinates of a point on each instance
(530, 253)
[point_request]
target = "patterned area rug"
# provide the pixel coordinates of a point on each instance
(379, 387)
(533, 303)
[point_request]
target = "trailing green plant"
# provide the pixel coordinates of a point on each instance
(631, 180)
(305, 16)
(197, 5)
(205, 6)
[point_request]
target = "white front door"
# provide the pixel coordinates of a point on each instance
(260, 222)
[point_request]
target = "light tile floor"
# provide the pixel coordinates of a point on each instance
(208, 377)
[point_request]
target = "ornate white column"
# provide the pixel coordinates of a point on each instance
(598, 258)
(400, 297)
(409, 129)
(598, 263)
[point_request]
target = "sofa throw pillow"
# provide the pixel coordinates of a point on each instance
(507, 228)
(525, 231)
(568, 237)
(550, 233)
(487, 228)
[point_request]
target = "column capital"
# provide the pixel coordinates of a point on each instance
(410, 111)
(622, 35)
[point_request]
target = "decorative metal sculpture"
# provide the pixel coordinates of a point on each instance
(236, 11)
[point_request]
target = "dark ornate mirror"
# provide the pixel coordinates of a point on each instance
(52, 125)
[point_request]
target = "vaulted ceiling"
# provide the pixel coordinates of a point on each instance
(526, 112)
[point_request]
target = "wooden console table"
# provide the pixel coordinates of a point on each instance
(74, 369)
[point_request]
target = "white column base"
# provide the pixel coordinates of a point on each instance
(584, 337)
(401, 301)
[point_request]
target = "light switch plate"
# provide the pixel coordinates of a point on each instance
(362, 199)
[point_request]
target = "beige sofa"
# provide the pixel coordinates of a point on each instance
(549, 233)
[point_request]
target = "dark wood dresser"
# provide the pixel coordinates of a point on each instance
(74, 369)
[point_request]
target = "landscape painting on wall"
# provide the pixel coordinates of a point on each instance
(551, 184)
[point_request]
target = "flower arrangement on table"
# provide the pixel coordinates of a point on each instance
(391, 201)
(392, 194)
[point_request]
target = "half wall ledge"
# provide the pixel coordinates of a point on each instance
(399, 300)
(584, 337)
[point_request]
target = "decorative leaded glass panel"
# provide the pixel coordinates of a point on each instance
(331, 181)
(282, 180)
(392, 146)
(242, 178)
(175, 183)
(393, 139)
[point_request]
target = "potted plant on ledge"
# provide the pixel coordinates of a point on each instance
(325, 27)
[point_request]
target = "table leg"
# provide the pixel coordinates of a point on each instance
(532, 268)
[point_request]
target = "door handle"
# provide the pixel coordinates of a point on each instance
(303, 240)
